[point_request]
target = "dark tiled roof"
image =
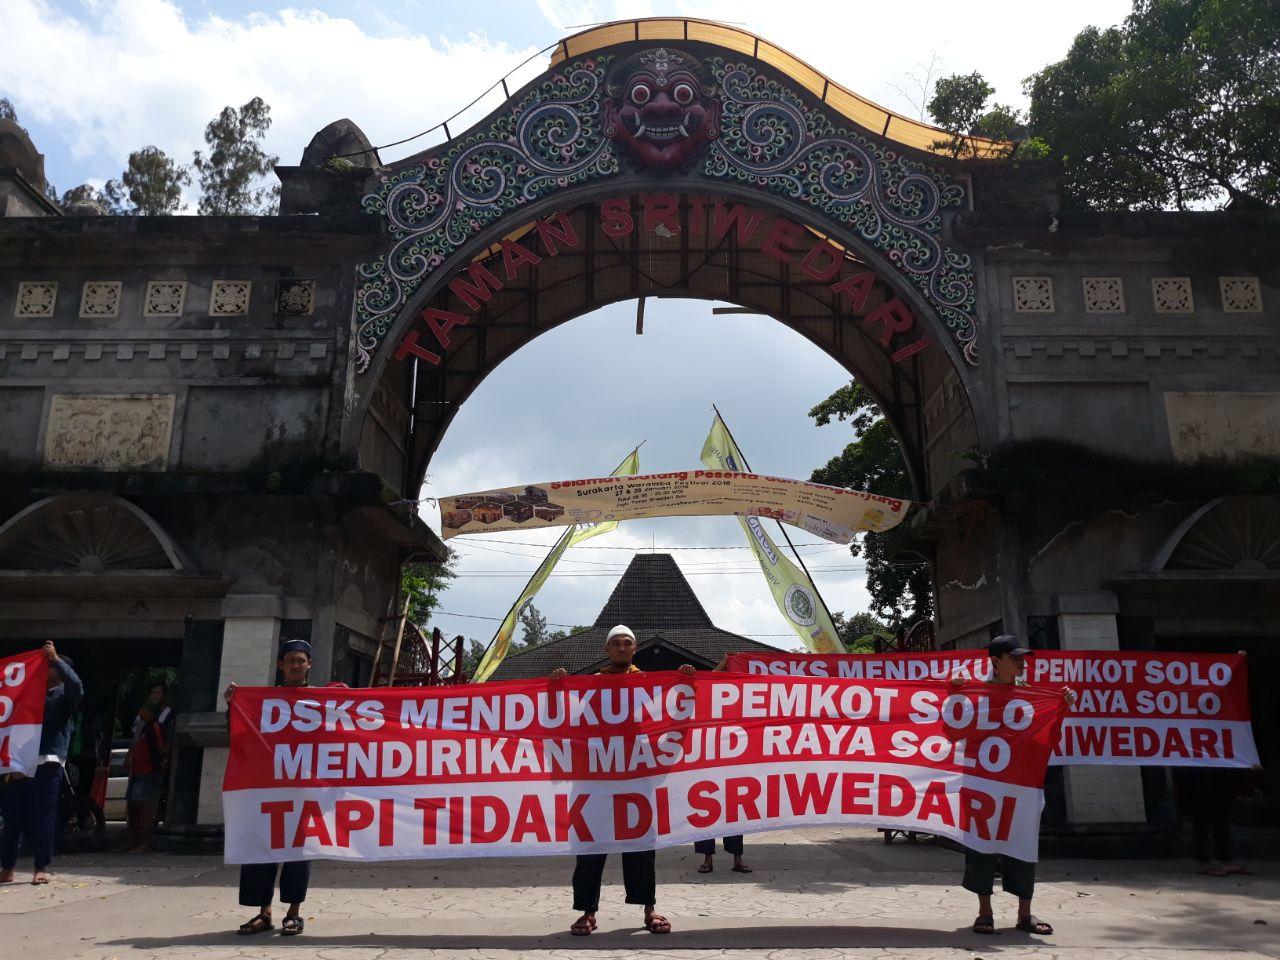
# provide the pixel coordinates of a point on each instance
(655, 600)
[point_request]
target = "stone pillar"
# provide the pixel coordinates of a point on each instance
(249, 645)
(1097, 794)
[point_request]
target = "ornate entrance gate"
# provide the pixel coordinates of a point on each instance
(678, 168)
(1070, 391)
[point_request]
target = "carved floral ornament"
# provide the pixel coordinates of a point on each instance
(664, 111)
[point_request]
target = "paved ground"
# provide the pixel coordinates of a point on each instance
(815, 894)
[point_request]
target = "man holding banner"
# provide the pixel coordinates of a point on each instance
(639, 868)
(1017, 877)
(258, 880)
(31, 797)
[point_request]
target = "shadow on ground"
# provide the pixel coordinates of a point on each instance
(808, 937)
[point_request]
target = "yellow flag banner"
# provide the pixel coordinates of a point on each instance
(497, 651)
(793, 591)
(831, 513)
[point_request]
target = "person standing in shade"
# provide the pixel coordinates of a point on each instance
(1208, 794)
(258, 880)
(31, 803)
(1017, 877)
(732, 845)
(146, 761)
(639, 868)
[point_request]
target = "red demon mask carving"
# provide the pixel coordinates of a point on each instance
(661, 110)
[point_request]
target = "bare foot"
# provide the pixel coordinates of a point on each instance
(39, 878)
(6, 876)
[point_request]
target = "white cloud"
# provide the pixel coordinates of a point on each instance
(869, 47)
(123, 74)
(129, 73)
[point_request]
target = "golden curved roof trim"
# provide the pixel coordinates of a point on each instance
(872, 117)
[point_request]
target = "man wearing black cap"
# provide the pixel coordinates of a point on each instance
(1016, 876)
(258, 880)
(31, 803)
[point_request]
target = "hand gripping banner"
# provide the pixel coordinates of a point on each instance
(833, 513)
(1149, 709)
(630, 762)
(23, 682)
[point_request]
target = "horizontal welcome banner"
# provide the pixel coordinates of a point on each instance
(1157, 709)
(23, 683)
(632, 762)
(832, 513)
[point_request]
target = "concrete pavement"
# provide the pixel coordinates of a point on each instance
(815, 894)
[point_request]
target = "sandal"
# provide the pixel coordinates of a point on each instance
(583, 926)
(259, 924)
(1034, 925)
(741, 868)
(291, 926)
(704, 868)
(1213, 871)
(984, 925)
(657, 923)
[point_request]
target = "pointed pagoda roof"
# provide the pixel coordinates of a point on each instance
(655, 600)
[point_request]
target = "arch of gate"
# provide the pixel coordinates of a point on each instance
(689, 168)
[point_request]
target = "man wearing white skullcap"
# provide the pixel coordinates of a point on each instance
(639, 868)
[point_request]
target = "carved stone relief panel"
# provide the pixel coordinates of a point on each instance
(1240, 294)
(1033, 294)
(1172, 294)
(1227, 425)
(295, 298)
(164, 298)
(1103, 294)
(100, 299)
(36, 298)
(109, 432)
(229, 298)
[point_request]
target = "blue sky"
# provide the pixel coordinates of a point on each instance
(94, 79)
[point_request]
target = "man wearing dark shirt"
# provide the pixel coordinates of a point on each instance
(258, 880)
(31, 803)
(639, 868)
(1017, 877)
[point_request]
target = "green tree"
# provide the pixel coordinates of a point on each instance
(475, 653)
(860, 630)
(900, 593)
(150, 186)
(232, 171)
(87, 193)
(561, 634)
(6, 110)
(960, 105)
(535, 628)
(1176, 107)
(422, 583)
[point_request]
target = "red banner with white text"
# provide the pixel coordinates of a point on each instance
(630, 762)
(23, 683)
(1157, 709)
